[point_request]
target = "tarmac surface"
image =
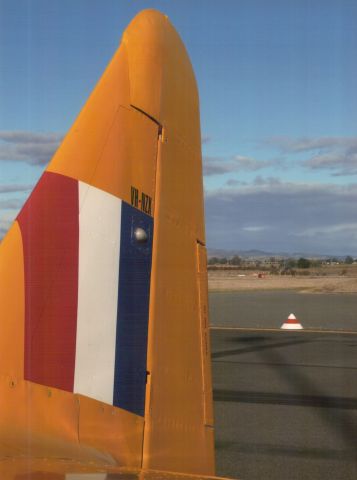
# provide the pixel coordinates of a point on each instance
(285, 404)
(268, 309)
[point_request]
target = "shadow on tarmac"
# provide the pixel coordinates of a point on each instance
(256, 348)
(284, 450)
(343, 403)
(337, 412)
(343, 424)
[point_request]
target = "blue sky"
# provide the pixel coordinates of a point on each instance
(278, 108)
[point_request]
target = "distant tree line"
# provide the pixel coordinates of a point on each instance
(276, 264)
(348, 260)
(237, 261)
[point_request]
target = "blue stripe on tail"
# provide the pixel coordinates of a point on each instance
(133, 311)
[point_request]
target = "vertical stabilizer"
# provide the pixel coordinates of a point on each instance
(178, 420)
(103, 286)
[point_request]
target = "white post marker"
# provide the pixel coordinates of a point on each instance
(292, 323)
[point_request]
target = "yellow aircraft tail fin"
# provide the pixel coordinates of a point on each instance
(104, 322)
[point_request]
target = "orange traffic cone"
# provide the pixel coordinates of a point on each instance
(292, 323)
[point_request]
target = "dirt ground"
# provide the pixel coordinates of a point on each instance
(237, 280)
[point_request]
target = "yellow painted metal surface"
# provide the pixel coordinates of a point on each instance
(139, 128)
(112, 430)
(117, 158)
(205, 338)
(37, 420)
(162, 81)
(12, 305)
(49, 423)
(177, 437)
(64, 469)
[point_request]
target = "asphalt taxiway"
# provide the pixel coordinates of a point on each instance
(285, 404)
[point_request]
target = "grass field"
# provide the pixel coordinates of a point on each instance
(327, 279)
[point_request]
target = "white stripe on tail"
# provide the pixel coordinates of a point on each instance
(99, 239)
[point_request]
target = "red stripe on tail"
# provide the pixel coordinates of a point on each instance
(49, 226)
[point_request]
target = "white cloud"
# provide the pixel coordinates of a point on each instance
(15, 188)
(254, 228)
(308, 144)
(236, 163)
(337, 154)
(28, 147)
(283, 216)
(11, 204)
(330, 230)
(341, 163)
